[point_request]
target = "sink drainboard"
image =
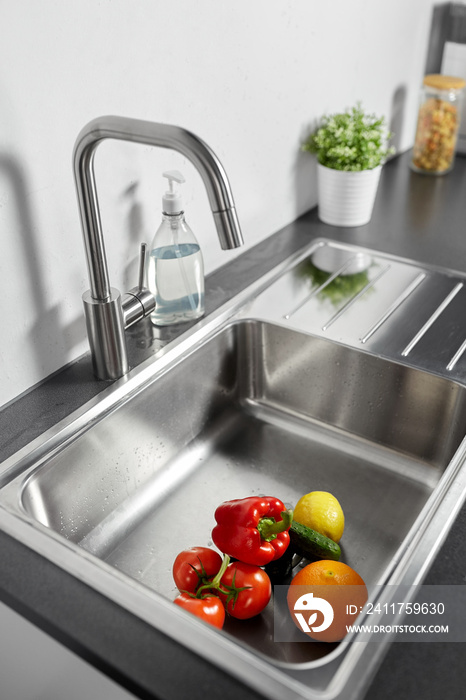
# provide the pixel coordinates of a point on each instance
(387, 306)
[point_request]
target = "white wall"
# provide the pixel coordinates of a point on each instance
(248, 76)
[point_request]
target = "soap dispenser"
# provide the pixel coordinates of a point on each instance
(176, 268)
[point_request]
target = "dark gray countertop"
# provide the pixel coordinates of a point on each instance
(417, 217)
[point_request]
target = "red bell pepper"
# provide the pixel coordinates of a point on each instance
(253, 530)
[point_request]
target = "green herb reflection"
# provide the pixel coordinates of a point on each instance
(341, 289)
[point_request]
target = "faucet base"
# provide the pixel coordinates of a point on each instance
(106, 332)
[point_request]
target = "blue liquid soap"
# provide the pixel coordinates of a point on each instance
(175, 274)
(176, 278)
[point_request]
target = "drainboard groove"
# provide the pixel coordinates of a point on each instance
(457, 356)
(368, 286)
(321, 287)
(432, 319)
(396, 304)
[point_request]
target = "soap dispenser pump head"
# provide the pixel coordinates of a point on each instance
(172, 202)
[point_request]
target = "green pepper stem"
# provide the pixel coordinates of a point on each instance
(269, 528)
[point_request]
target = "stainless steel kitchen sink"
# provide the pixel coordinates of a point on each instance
(318, 377)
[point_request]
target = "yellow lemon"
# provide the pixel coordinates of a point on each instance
(321, 511)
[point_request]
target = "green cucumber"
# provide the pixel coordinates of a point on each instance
(311, 544)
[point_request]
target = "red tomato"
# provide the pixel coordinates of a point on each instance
(193, 565)
(209, 609)
(256, 594)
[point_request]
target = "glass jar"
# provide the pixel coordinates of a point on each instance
(437, 125)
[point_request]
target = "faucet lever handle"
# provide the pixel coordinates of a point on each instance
(142, 266)
(139, 301)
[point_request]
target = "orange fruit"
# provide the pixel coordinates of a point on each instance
(324, 598)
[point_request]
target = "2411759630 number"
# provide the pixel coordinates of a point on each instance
(401, 607)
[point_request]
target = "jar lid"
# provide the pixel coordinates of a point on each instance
(444, 82)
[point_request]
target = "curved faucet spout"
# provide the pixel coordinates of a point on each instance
(104, 313)
(151, 134)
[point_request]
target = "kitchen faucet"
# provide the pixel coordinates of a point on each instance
(107, 313)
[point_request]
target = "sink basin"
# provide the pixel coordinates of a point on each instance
(251, 412)
(251, 402)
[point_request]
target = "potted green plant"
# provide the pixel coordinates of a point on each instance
(351, 148)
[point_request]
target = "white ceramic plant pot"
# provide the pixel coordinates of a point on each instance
(346, 198)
